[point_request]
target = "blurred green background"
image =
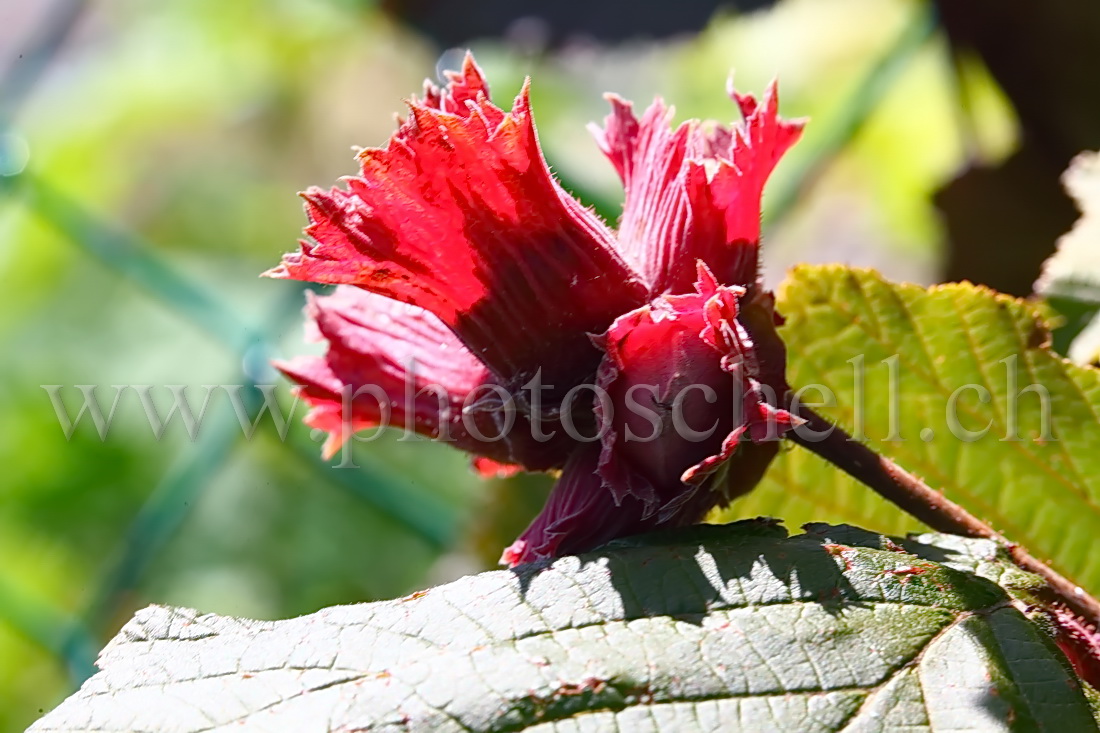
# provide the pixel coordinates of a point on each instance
(150, 154)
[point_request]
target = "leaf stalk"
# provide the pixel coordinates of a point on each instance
(910, 494)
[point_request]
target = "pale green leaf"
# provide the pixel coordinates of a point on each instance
(732, 628)
(1071, 278)
(1074, 270)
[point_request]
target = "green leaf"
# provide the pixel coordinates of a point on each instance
(710, 628)
(1040, 487)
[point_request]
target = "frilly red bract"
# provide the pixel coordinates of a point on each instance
(469, 278)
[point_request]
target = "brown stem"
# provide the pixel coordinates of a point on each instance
(909, 493)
